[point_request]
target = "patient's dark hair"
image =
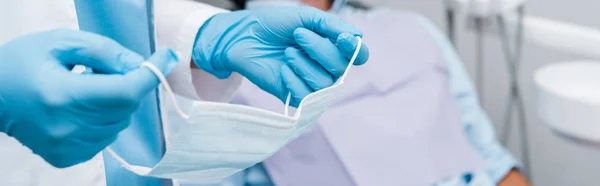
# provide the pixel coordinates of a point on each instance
(239, 4)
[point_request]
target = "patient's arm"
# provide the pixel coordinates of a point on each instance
(514, 178)
(501, 166)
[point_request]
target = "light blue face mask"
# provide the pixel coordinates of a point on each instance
(216, 140)
(255, 4)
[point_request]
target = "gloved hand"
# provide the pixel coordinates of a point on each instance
(67, 118)
(288, 49)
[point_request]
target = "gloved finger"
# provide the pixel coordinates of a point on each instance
(347, 44)
(143, 80)
(94, 130)
(326, 24)
(321, 50)
(311, 71)
(89, 150)
(100, 53)
(75, 151)
(124, 92)
(295, 85)
(95, 148)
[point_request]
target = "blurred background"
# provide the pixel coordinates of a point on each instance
(554, 160)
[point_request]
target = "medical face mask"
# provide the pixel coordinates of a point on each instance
(217, 140)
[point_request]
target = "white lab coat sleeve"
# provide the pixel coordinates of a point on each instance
(177, 24)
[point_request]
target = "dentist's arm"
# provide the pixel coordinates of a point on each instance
(177, 25)
(286, 51)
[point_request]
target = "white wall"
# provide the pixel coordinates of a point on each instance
(555, 161)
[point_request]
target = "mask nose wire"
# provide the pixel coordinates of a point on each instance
(341, 80)
(167, 87)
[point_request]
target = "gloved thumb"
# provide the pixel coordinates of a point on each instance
(145, 81)
(113, 90)
(165, 60)
(347, 44)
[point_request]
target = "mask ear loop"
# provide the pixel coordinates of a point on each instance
(352, 60)
(287, 104)
(167, 87)
(171, 96)
(341, 80)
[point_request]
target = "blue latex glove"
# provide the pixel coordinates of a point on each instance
(67, 118)
(288, 49)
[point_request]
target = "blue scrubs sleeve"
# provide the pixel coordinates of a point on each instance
(479, 128)
(129, 22)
